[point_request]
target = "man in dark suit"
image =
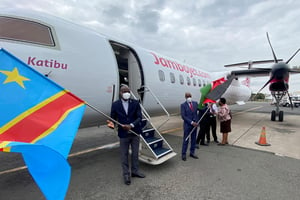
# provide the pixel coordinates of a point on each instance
(128, 113)
(204, 126)
(189, 115)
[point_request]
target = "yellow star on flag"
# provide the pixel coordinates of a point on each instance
(14, 76)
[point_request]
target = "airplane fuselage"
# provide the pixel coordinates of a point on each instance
(93, 66)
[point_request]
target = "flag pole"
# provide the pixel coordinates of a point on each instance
(99, 111)
(189, 135)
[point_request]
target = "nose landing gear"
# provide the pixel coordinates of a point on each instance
(279, 114)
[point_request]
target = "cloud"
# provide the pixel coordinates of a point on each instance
(206, 33)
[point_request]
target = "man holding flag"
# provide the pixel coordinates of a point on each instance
(189, 115)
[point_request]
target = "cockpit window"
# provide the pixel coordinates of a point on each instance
(25, 31)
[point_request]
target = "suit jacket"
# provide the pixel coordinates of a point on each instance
(187, 114)
(205, 119)
(134, 116)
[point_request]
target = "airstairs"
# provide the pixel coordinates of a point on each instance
(154, 149)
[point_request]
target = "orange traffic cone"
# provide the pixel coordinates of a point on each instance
(262, 139)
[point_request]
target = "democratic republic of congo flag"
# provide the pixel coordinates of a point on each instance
(39, 119)
(207, 89)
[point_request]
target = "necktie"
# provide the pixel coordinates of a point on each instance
(191, 106)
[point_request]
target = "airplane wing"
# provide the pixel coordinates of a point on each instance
(252, 72)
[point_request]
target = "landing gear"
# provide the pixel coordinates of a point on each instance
(280, 115)
(278, 96)
(273, 115)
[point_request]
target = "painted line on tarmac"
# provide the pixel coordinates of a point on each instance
(250, 109)
(249, 127)
(171, 130)
(107, 146)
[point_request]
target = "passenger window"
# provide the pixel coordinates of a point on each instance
(194, 82)
(161, 75)
(188, 80)
(172, 77)
(181, 79)
(25, 31)
(199, 83)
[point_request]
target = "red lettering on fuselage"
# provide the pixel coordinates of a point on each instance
(33, 61)
(179, 67)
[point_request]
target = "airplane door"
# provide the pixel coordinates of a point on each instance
(130, 69)
(134, 74)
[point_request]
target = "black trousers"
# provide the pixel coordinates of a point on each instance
(213, 126)
(133, 141)
(204, 130)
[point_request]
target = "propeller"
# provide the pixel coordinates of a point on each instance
(292, 56)
(274, 56)
(272, 77)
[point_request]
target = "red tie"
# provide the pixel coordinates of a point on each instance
(191, 106)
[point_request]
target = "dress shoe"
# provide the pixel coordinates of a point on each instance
(194, 156)
(208, 141)
(127, 180)
(183, 158)
(203, 144)
(216, 141)
(138, 174)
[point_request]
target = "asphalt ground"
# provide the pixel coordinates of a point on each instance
(235, 171)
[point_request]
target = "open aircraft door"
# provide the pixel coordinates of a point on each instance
(154, 149)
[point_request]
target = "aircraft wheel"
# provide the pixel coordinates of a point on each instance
(273, 115)
(280, 116)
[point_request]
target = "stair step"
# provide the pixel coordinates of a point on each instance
(149, 133)
(161, 151)
(156, 145)
(144, 123)
(153, 140)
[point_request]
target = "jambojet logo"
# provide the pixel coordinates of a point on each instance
(33, 61)
(183, 68)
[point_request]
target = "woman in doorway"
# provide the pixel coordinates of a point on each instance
(225, 120)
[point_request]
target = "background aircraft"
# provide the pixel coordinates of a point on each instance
(278, 81)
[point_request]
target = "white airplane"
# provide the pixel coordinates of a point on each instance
(93, 66)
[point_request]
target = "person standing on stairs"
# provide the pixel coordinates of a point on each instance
(127, 112)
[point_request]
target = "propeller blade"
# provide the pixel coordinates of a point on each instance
(220, 89)
(292, 56)
(265, 84)
(276, 61)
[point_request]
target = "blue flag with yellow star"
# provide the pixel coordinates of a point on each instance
(39, 119)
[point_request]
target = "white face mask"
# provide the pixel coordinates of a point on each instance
(126, 95)
(189, 99)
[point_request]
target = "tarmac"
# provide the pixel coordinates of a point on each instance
(240, 170)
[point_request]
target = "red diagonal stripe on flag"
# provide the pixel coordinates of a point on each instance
(41, 120)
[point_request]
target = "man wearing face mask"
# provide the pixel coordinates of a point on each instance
(189, 115)
(128, 113)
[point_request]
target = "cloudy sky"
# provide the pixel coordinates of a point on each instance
(204, 33)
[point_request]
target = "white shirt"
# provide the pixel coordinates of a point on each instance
(125, 105)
